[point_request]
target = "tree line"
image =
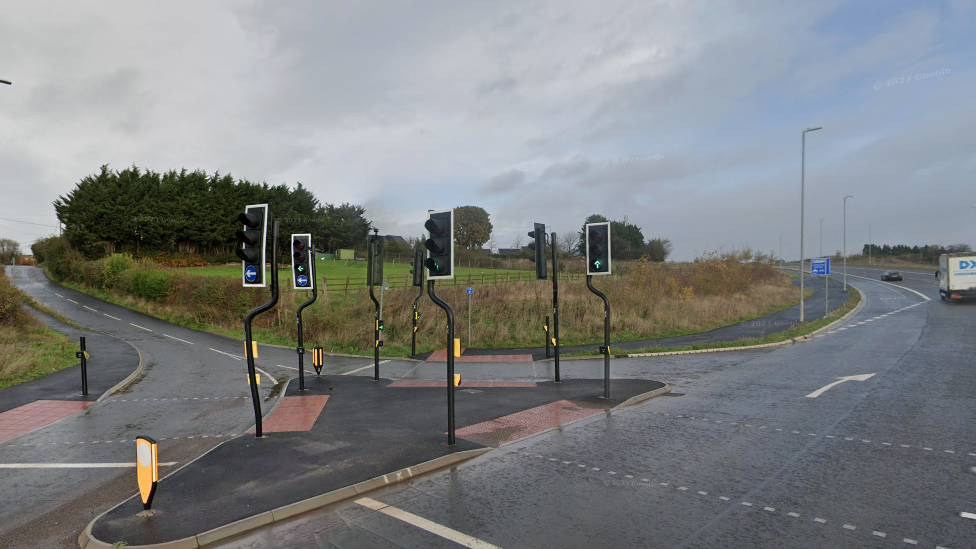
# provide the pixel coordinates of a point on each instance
(928, 253)
(141, 212)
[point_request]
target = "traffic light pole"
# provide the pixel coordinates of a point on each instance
(606, 336)
(301, 340)
(450, 359)
(555, 304)
(248, 347)
(376, 320)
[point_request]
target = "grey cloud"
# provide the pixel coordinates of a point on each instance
(504, 182)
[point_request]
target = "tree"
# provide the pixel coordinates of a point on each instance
(472, 227)
(9, 250)
(658, 249)
(345, 226)
(958, 248)
(569, 244)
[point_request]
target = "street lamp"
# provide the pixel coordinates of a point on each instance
(803, 161)
(845, 240)
(821, 236)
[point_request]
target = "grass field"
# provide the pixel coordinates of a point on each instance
(29, 348)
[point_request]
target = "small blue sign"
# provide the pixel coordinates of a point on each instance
(250, 273)
(820, 266)
(302, 280)
(470, 290)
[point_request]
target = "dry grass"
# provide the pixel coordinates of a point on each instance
(28, 349)
(651, 301)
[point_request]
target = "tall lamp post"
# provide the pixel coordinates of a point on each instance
(845, 240)
(803, 163)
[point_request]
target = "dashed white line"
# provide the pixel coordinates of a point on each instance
(793, 514)
(73, 301)
(850, 527)
(59, 295)
(820, 520)
(235, 357)
(968, 515)
(89, 308)
(879, 534)
(424, 524)
(140, 327)
(178, 339)
(910, 541)
(112, 317)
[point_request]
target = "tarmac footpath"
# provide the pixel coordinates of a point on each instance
(342, 437)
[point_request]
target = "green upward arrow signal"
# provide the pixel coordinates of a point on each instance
(596, 263)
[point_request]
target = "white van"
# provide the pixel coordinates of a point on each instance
(957, 276)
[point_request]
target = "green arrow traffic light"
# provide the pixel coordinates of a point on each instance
(596, 264)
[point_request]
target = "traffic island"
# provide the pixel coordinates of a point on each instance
(365, 435)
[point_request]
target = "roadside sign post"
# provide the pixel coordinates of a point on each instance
(83, 355)
(820, 266)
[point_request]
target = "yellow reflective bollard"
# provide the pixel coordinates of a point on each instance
(457, 347)
(147, 469)
(257, 378)
(254, 348)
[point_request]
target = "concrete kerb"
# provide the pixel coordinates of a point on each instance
(637, 399)
(86, 541)
(761, 346)
(120, 385)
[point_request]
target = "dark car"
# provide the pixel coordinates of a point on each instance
(891, 275)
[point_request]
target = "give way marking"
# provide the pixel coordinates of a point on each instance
(825, 388)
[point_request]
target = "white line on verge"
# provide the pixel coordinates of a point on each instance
(178, 339)
(140, 327)
(424, 524)
(112, 317)
(350, 372)
(73, 465)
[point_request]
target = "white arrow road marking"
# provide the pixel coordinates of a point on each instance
(822, 390)
(73, 465)
(430, 526)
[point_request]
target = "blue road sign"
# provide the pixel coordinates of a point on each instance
(470, 290)
(250, 273)
(820, 266)
(302, 280)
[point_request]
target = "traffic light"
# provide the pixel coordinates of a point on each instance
(252, 239)
(598, 248)
(302, 256)
(538, 247)
(440, 245)
(418, 268)
(375, 254)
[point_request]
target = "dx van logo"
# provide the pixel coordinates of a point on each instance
(963, 265)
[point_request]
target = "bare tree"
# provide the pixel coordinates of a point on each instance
(518, 242)
(492, 244)
(9, 250)
(569, 243)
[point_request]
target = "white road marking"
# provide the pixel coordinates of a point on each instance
(112, 317)
(919, 294)
(968, 515)
(850, 527)
(235, 357)
(747, 504)
(770, 509)
(178, 339)
(73, 301)
(424, 524)
(910, 541)
(820, 520)
(140, 327)
(822, 390)
(793, 514)
(361, 369)
(59, 295)
(267, 375)
(879, 534)
(89, 308)
(74, 465)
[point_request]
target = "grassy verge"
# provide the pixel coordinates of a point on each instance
(799, 331)
(30, 349)
(651, 300)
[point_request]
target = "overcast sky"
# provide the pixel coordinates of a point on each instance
(683, 116)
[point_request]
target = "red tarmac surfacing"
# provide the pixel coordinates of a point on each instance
(296, 413)
(35, 415)
(527, 422)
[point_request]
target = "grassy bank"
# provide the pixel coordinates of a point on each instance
(28, 348)
(651, 301)
(804, 329)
